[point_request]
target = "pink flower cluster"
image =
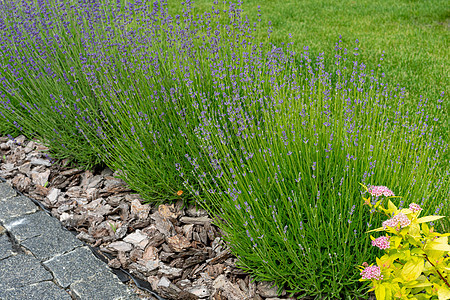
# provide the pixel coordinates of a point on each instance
(400, 219)
(382, 242)
(415, 207)
(377, 191)
(372, 272)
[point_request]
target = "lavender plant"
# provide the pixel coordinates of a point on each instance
(47, 48)
(287, 161)
(119, 77)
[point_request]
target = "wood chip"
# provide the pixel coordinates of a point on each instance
(197, 221)
(224, 255)
(178, 243)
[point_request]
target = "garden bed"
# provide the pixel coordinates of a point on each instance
(209, 108)
(174, 248)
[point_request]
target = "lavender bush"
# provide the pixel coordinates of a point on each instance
(285, 185)
(271, 141)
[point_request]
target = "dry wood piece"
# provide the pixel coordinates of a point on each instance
(221, 257)
(168, 211)
(197, 221)
(178, 243)
(70, 172)
(21, 182)
(114, 263)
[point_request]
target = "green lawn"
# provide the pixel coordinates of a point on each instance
(413, 34)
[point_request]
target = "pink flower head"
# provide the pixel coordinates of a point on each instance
(393, 222)
(381, 242)
(377, 191)
(415, 207)
(401, 219)
(372, 272)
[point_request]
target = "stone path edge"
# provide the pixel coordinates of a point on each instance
(18, 217)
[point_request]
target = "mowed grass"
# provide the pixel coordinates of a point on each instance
(414, 35)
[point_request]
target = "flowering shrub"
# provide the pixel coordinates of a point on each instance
(416, 264)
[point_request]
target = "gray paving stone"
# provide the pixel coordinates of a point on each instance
(75, 265)
(46, 290)
(102, 286)
(21, 270)
(15, 207)
(6, 249)
(49, 244)
(6, 191)
(29, 226)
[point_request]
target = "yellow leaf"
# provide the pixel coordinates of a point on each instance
(412, 269)
(406, 211)
(419, 284)
(380, 292)
(388, 291)
(391, 206)
(439, 244)
(418, 251)
(442, 240)
(429, 219)
(394, 256)
(414, 231)
(438, 247)
(365, 187)
(377, 229)
(396, 240)
(380, 261)
(425, 228)
(434, 255)
(443, 293)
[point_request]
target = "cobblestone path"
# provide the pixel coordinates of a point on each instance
(39, 259)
